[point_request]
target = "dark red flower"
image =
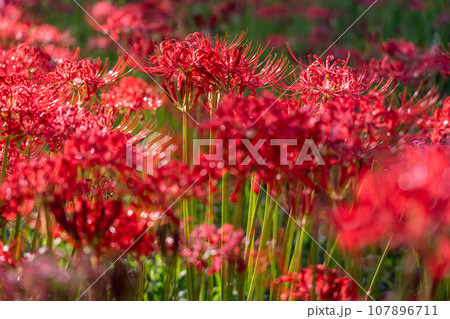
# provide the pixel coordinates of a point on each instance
(403, 62)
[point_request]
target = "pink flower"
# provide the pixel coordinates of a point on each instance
(221, 246)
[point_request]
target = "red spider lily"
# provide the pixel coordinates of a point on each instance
(402, 72)
(223, 246)
(82, 78)
(345, 131)
(34, 110)
(93, 213)
(400, 48)
(22, 63)
(135, 20)
(82, 166)
(198, 63)
(78, 207)
(101, 10)
(16, 154)
(408, 202)
(29, 63)
(72, 120)
(352, 127)
(316, 283)
(105, 224)
(26, 110)
(46, 34)
(440, 123)
(320, 82)
(188, 62)
(35, 113)
(403, 62)
(131, 94)
(415, 111)
(242, 67)
(259, 119)
(441, 61)
(13, 28)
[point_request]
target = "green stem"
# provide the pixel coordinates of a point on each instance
(314, 246)
(225, 220)
(5, 159)
(273, 261)
(168, 281)
(298, 249)
(255, 284)
(210, 218)
(241, 286)
(290, 230)
(287, 244)
(36, 231)
(251, 209)
(250, 234)
(224, 280)
(225, 217)
(4, 223)
(329, 256)
(239, 208)
(378, 269)
(185, 137)
(226, 275)
(202, 287)
(49, 231)
(17, 234)
(186, 211)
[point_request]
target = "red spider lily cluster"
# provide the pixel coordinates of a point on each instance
(95, 211)
(198, 65)
(402, 61)
(438, 123)
(223, 246)
(405, 205)
(317, 283)
(134, 21)
(131, 94)
(316, 164)
(319, 82)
